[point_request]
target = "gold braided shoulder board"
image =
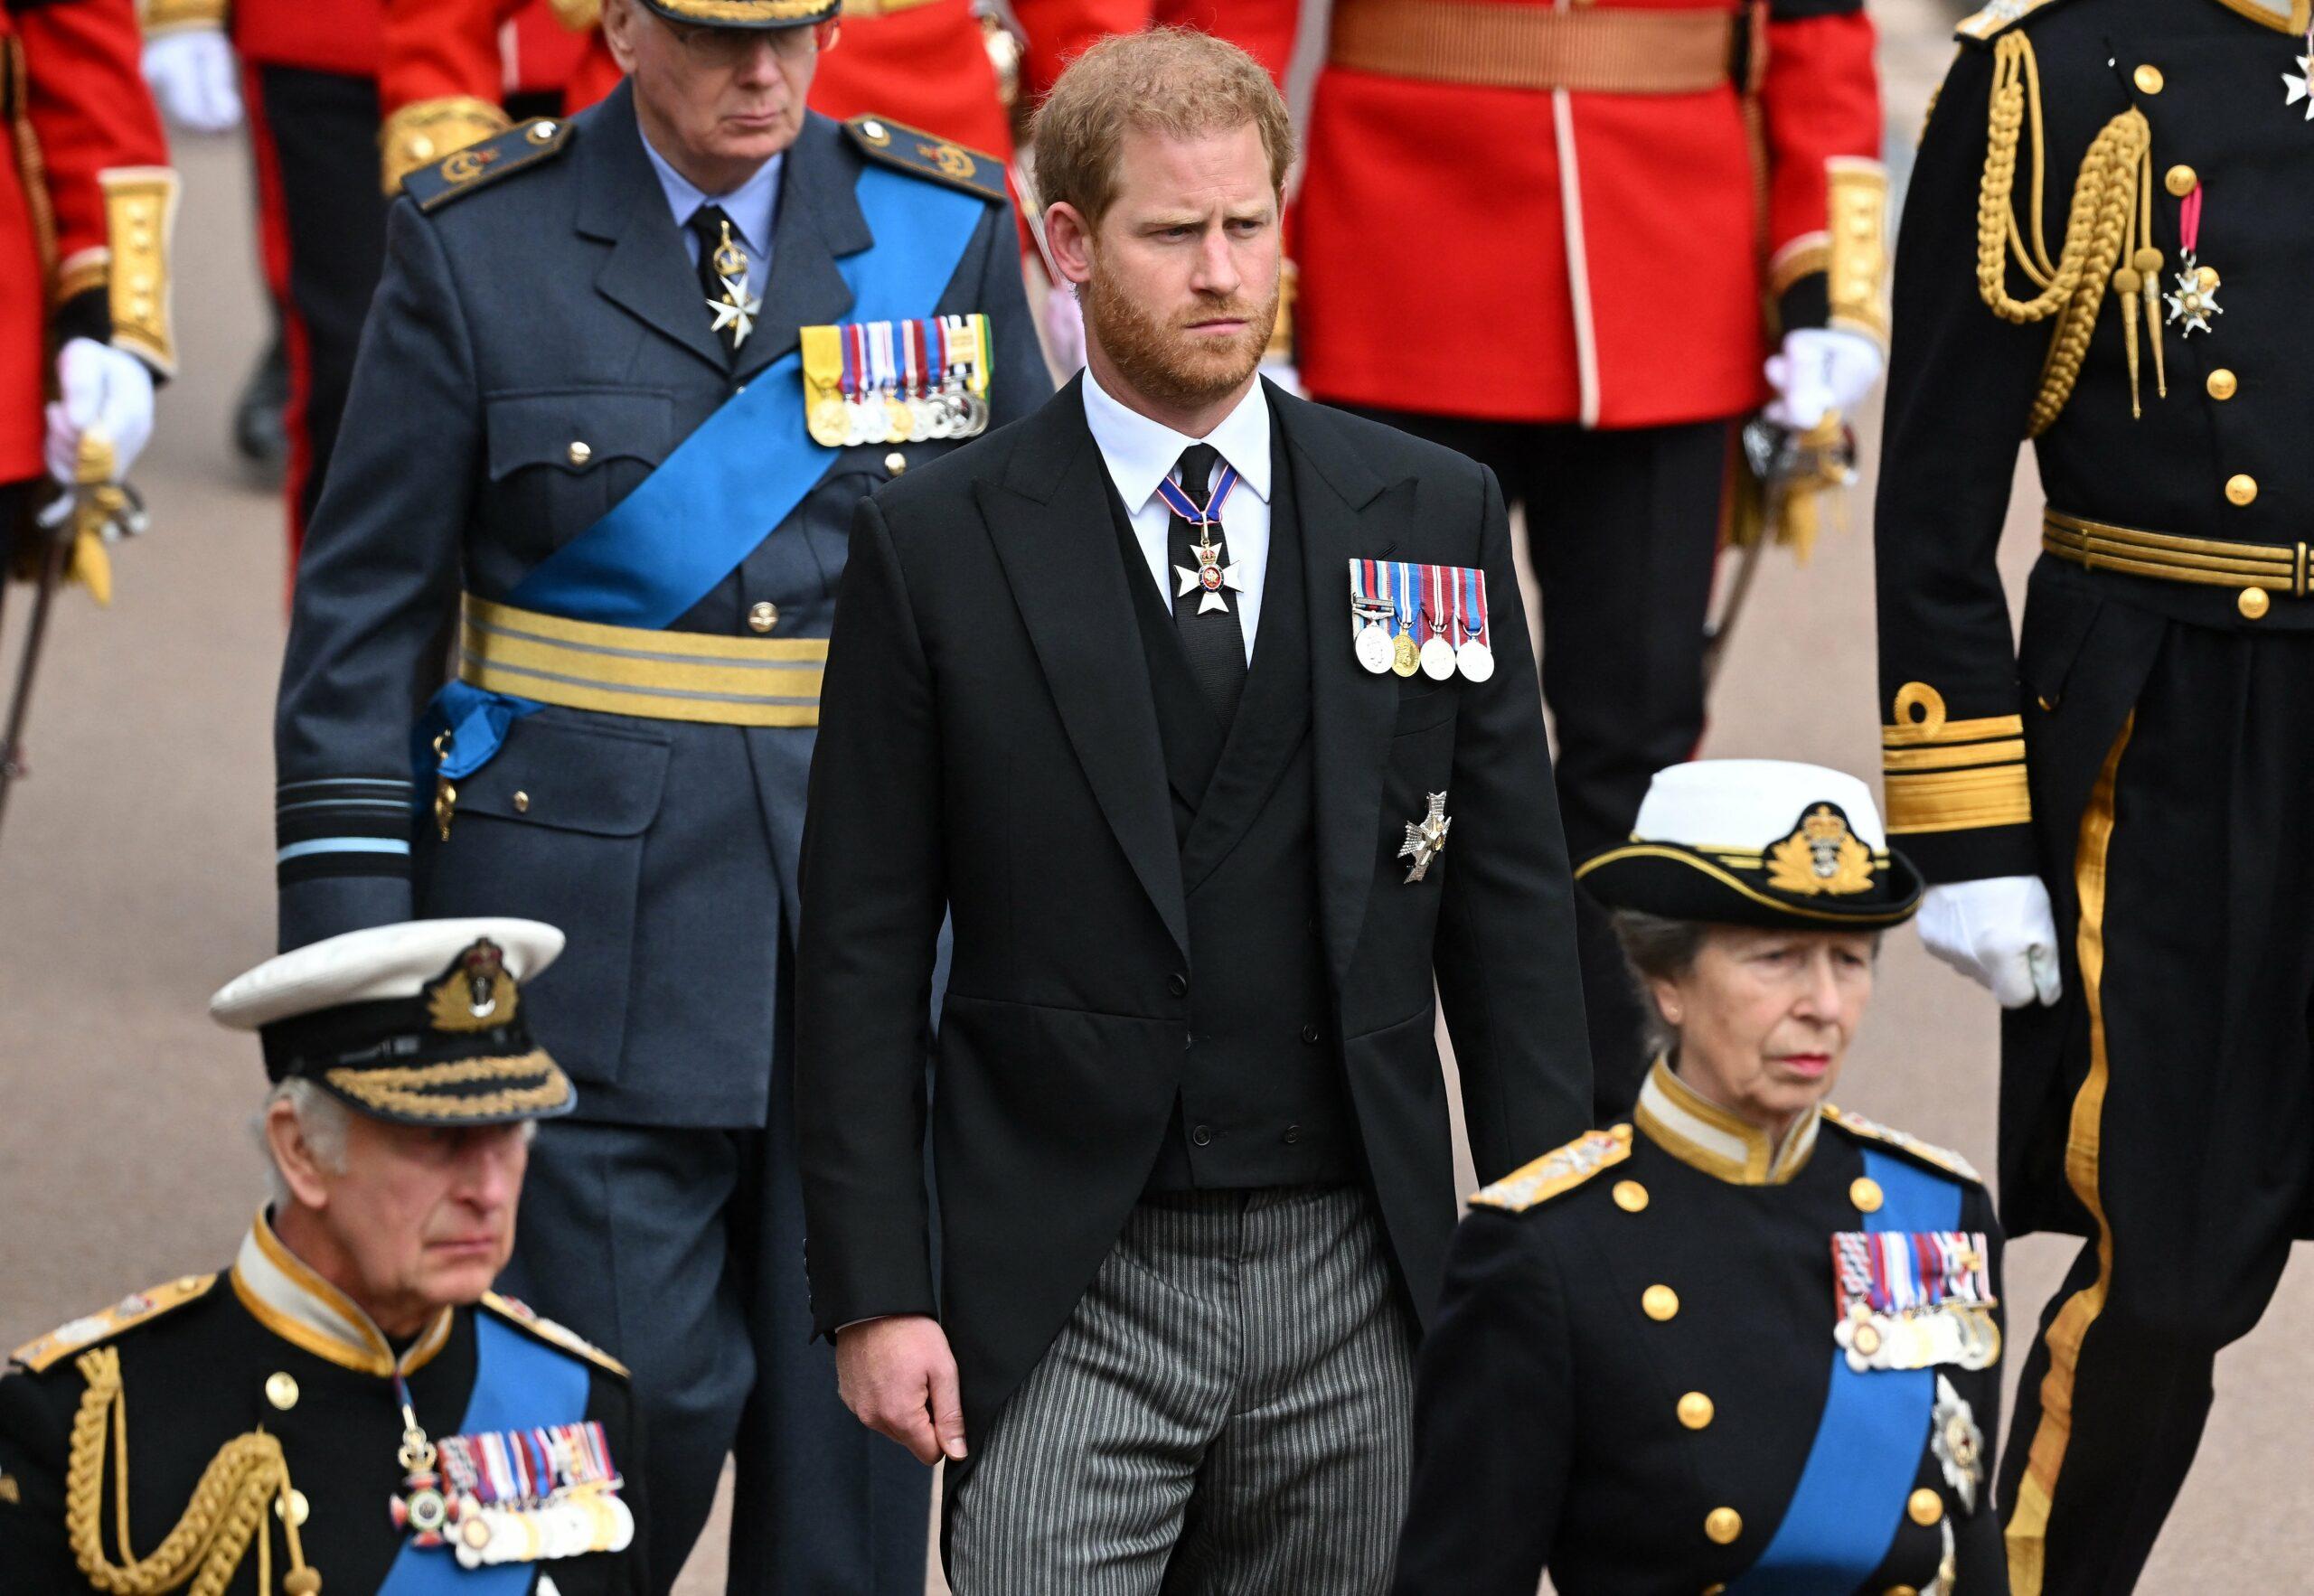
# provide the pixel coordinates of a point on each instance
(1927, 1152)
(526, 1317)
(40, 1352)
(1560, 1170)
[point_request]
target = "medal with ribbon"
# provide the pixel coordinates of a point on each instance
(1405, 652)
(1370, 614)
(1911, 1299)
(2195, 300)
(1474, 654)
(1210, 574)
(519, 1495)
(1438, 584)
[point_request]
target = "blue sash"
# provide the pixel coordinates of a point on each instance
(518, 1383)
(1851, 1500)
(713, 500)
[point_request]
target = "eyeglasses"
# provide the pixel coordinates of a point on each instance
(726, 48)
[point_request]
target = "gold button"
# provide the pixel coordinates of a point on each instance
(1865, 1192)
(2147, 79)
(422, 148)
(1926, 1507)
(1695, 1410)
(522, 803)
(763, 616)
(1631, 1197)
(1900, 1591)
(896, 463)
(2221, 385)
(1659, 1303)
(1723, 1525)
(2241, 488)
(2253, 603)
(2179, 179)
(579, 452)
(1715, 1590)
(299, 1509)
(281, 1391)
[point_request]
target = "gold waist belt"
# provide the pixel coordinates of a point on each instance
(629, 671)
(1499, 46)
(2207, 562)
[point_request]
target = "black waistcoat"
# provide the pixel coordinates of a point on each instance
(1263, 1099)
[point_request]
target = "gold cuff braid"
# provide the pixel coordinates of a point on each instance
(171, 16)
(1856, 273)
(2111, 200)
(428, 130)
(1951, 775)
(140, 211)
(206, 1546)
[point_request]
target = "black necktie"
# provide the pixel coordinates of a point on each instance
(723, 255)
(1205, 607)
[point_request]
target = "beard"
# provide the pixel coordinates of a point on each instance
(1160, 359)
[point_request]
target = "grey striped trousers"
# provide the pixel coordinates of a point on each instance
(1226, 1412)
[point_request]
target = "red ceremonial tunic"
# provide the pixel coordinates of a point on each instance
(68, 71)
(1557, 256)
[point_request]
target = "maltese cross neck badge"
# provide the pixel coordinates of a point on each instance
(1425, 837)
(1210, 574)
(735, 308)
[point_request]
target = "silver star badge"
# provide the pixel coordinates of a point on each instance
(2194, 303)
(2301, 86)
(1210, 575)
(1427, 839)
(737, 307)
(1957, 1443)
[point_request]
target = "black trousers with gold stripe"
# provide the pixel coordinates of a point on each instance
(2166, 1107)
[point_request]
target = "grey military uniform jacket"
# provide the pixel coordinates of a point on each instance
(539, 343)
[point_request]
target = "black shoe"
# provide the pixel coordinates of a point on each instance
(260, 437)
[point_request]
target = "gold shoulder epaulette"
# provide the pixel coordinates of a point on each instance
(928, 155)
(80, 1334)
(1984, 26)
(1561, 1170)
(478, 165)
(1926, 1152)
(522, 1316)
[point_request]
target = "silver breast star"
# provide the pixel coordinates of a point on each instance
(1427, 839)
(2301, 84)
(1208, 558)
(737, 307)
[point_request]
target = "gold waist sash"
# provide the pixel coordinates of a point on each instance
(2207, 562)
(630, 671)
(1497, 46)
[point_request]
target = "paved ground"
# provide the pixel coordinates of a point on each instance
(136, 877)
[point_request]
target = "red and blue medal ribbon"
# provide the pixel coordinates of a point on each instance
(1207, 515)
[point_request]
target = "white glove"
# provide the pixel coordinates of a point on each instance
(1999, 932)
(1064, 329)
(194, 75)
(1821, 369)
(103, 390)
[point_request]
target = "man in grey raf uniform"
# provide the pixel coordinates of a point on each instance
(623, 382)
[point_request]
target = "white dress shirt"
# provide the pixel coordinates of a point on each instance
(1140, 453)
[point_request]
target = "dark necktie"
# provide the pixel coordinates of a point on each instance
(1206, 614)
(723, 275)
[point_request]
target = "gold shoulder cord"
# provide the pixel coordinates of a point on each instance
(227, 1510)
(2112, 207)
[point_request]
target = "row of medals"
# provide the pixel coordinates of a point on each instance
(950, 411)
(1958, 1333)
(568, 1524)
(1437, 659)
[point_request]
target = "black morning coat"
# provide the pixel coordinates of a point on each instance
(989, 750)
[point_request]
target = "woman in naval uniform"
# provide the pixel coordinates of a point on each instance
(1750, 1342)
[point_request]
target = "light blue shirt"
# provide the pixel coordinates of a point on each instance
(753, 207)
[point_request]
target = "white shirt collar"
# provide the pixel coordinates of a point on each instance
(1142, 453)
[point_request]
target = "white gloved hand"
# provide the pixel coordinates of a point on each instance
(1064, 329)
(102, 389)
(193, 76)
(2000, 932)
(1819, 370)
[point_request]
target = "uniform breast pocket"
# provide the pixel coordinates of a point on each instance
(561, 457)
